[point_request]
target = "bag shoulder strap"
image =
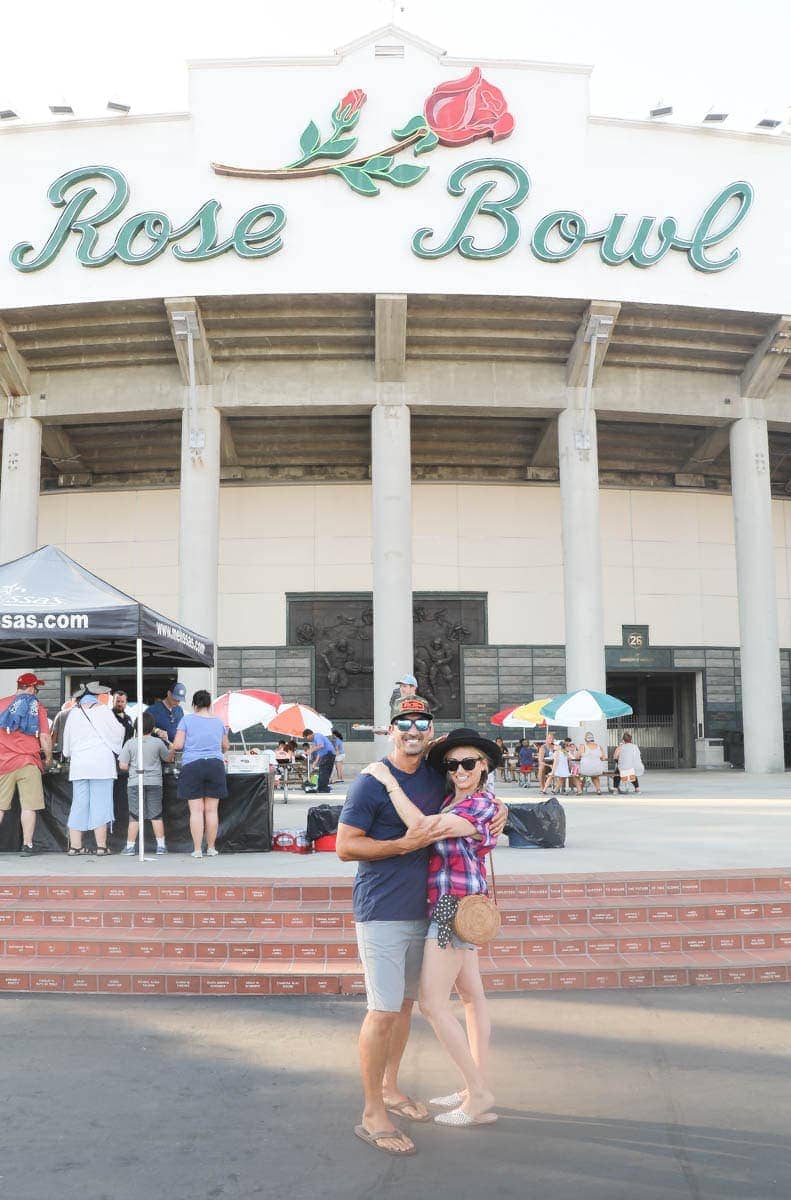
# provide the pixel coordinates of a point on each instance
(494, 882)
(98, 732)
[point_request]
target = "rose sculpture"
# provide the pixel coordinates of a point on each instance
(455, 114)
(462, 110)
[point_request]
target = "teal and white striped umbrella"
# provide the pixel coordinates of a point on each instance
(583, 707)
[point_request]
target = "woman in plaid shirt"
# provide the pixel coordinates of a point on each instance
(456, 869)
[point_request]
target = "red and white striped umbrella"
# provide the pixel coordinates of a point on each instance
(293, 719)
(248, 706)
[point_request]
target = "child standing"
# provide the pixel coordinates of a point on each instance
(155, 752)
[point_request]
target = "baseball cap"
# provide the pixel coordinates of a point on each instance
(30, 680)
(410, 706)
(408, 679)
(94, 688)
(179, 691)
(589, 737)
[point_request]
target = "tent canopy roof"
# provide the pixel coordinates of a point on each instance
(54, 610)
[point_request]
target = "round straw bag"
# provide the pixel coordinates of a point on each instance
(477, 918)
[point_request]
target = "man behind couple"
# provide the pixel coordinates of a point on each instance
(419, 828)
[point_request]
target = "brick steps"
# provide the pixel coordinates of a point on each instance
(312, 943)
(266, 937)
(162, 976)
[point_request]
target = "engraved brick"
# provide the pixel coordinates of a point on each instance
(182, 984)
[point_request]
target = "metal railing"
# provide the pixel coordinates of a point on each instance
(656, 736)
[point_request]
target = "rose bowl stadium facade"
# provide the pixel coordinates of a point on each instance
(391, 361)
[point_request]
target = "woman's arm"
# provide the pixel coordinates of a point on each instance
(179, 739)
(225, 745)
(441, 826)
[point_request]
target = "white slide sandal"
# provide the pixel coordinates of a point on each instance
(459, 1119)
(451, 1101)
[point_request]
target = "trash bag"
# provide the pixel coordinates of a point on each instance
(541, 824)
(323, 819)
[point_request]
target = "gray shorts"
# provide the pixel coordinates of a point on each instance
(152, 802)
(392, 955)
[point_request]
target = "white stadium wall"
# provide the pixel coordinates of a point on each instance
(668, 559)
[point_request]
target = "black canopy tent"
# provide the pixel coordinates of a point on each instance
(53, 611)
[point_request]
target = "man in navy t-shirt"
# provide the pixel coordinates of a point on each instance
(168, 712)
(390, 910)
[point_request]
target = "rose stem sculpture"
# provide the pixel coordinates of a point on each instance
(455, 114)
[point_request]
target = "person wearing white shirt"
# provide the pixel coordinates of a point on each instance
(91, 740)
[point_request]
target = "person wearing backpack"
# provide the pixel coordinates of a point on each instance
(24, 737)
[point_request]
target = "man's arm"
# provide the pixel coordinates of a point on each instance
(354, 845)
(46, 746)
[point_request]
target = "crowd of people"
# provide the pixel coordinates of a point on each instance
(562, 766)
(96, 735)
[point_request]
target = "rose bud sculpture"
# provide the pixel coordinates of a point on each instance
(462, 110)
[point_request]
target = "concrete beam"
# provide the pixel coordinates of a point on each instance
(200, 342)
(64, 456)
(546, 452)
(60, 449)
(390, 338)
(14, 372)
(765, 367)
(708, 449)
(600, 315)
(230, 466)
(503, 388)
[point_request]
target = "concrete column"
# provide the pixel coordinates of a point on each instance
(582, 574)
(20, 482)
(391, 499)
(762, 705)
(199, 528)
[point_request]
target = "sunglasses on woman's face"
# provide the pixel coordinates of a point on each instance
(404, 724)
(467, 764)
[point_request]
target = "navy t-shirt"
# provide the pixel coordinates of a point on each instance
(391, 889)
(166, 718)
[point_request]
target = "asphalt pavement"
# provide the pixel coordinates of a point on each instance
(602, 1096)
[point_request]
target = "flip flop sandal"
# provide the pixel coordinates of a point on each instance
(459, 1119)
(451, 1101)
(400, 1110)
(373, 1139)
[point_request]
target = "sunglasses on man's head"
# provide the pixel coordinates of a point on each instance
(453, 764)
(404, 724)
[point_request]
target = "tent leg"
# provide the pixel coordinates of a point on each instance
(141, 834)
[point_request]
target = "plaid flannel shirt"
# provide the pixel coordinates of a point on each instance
(456, 865)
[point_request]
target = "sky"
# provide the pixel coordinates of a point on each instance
(695, 54)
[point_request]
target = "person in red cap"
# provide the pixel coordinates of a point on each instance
(24, 735)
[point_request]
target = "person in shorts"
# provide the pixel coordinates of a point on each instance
(155, 752)
(20, 753)
(391, 917)
(203, 740)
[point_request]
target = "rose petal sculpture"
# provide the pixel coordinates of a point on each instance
(462, 110)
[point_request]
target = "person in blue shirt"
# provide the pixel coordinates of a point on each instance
(390, 912)
(168, 712)
(322, 756)
(203, 740)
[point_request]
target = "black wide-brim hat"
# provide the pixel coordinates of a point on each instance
(462, 737)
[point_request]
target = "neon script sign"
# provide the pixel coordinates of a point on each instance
(455, 114)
